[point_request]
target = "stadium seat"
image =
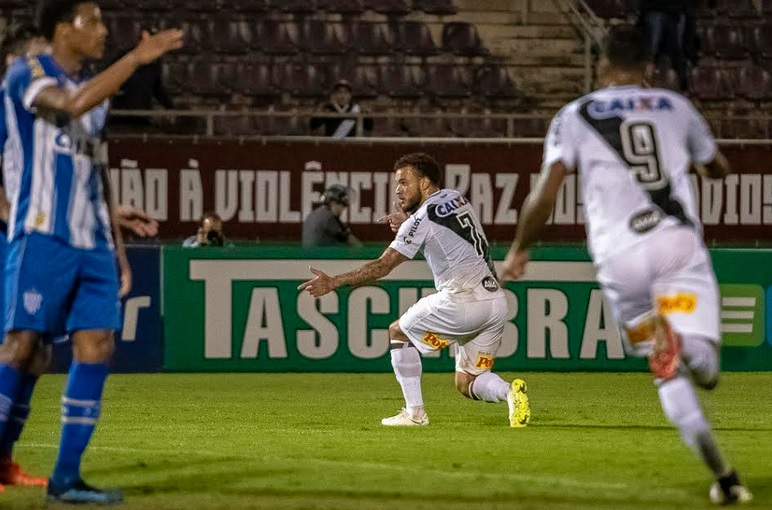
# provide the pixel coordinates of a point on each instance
(295, 125)
(237, 125)
(363, 78)
(387, 7)
(249, 6)
(301, 80)
(153, 5)
(389, 126)
(275, 37)
(201, 5)
(462, 39)
(229, 36)
(124, 31)
(294, 6)
(665, 77)
(754, 83)
(484, 127)
(710, 83)
(400, 81)
(204, 78)
(414, 38)
(175, 75)
(725, 42)
(760, 42)
(735, 9)
(254, 79)
(494, 82)
(345, 7)
(436, 7)
(369, 38)
(447, 81)
(319, 36)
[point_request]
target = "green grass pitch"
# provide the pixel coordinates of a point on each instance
(289, 441)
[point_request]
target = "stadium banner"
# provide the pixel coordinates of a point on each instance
(263, 190)
(239, 310)
(139, 344)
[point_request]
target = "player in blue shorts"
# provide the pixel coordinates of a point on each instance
(61, 262)
(22, 40)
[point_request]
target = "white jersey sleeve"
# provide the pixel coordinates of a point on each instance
(412, 235)
(701, 143)
(560, 142)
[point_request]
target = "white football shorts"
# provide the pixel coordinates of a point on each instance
(475, 326)
(671, 274)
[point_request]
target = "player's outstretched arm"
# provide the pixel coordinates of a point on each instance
(109, 81)
(534, 214)
(323, 283)
(137, 221)
(718, 168)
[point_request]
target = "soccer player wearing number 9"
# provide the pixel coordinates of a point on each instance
(469, 308)
(632, 148)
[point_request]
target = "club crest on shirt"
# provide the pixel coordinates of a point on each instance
(35, 68)
(32, 301)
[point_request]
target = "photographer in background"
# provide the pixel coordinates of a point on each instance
(209, 233)
(323, 227)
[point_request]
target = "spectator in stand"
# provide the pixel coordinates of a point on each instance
(663, 23)
(209, 233)
(323, 226)
(139, 91)
(341, 102)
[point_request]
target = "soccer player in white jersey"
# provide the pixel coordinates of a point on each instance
(632, 148)
(469, 308)
(60, 268)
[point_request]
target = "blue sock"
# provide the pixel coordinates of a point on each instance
(18, 416)
(80, 412)
(10, 379)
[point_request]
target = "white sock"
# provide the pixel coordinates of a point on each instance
(683, 409)
(407, 367)
(489, 387)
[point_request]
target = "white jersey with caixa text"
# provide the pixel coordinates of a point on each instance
(446, 229)
(632, 148)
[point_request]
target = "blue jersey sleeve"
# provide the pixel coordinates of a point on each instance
(26, 79)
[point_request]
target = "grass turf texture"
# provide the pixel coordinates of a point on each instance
(282, 441)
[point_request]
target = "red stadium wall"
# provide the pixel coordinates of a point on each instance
(264, 190)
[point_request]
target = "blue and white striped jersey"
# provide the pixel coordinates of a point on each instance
(50, 176)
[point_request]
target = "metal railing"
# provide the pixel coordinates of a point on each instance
(502, 127)
(592, 28)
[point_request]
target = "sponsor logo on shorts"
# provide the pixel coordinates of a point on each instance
(490, 284)
(433, 340)
(32, 301)
(484, 361)
(683, 302)
(645, 221)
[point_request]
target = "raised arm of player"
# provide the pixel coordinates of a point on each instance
(374, 270)
(534, 214)
(109, 81)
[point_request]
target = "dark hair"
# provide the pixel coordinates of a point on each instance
(424, 165)
(52, 12)
(624, 47)
(336, 193)
(16, 41)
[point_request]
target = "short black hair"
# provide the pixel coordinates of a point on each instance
(17, 40)
(424, 165)
(624, 47)
(52, 12)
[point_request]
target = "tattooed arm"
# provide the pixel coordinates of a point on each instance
(374, 270)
